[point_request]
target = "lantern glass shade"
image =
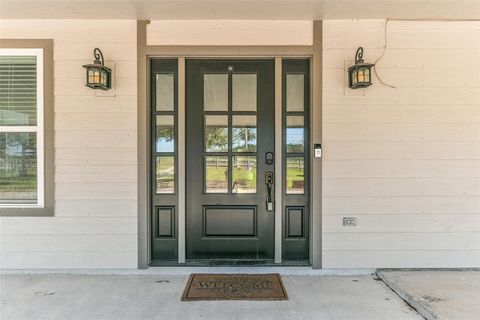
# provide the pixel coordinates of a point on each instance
(359, 76)
(98, 76)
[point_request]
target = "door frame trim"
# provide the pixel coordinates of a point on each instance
(144, 54)
(278, 160)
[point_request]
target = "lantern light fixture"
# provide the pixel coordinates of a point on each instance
(98, 76)
(359, 75)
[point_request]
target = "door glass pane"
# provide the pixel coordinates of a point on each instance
(165, 91)
(215, 92)
(295, 92)
(244, 175)
(244, 92)
(216, 133)
(165, 174)
(295, 134)
(295, 175)
(18, 167)
(165, 134)
(216, 174)
(244, 133)
(18, 90)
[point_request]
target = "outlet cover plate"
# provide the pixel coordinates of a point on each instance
(349, 221)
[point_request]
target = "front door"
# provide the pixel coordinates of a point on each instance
(230, 152)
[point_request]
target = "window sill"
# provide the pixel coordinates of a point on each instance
(26, 212)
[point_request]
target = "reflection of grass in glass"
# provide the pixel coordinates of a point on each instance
(244, 177)
(17, 183)
(216, 174)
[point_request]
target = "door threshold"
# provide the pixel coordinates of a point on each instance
(229, 263)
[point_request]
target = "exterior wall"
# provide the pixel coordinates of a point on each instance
(95, 222)
(230, 32)
(404, 161)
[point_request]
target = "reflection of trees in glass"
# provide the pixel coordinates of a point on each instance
(244, 139)
(165, 138)
(295, 142)
(216, 139)
(294, 148)
(165, 133)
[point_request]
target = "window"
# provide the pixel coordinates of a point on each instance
(22, 128)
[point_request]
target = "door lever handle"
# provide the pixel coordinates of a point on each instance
(269, 183)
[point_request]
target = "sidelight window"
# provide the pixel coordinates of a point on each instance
(294, 115)
(164, 143)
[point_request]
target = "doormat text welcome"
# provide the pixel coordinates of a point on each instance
(234, 287)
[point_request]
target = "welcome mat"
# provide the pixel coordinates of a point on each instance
(203, 286)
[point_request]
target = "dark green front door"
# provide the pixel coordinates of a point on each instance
(229, 152)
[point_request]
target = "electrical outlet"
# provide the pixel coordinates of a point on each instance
(349, 221)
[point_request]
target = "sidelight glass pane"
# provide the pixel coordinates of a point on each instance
(165, 91)
(295, 175)
(295, 134)
(244, 175)
(216, 174)
(18, 90)
(165, 134)
(18, 167)
(295, 92)
(216, 133)
(165, 174)
(244, 133)
(215, 92)
(244, 92)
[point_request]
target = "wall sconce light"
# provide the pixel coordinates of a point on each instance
(98, 76)
(359, 75)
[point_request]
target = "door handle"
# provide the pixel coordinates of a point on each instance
(269, 183)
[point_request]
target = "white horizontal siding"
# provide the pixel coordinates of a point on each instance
(408, 150)
(95, 222)
(406, 205)
(230, 32)
(69, 260)
(401, 258)
(404, 161)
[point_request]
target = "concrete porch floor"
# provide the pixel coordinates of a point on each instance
(158, 297)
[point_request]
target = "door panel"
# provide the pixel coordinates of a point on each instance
(230, 117)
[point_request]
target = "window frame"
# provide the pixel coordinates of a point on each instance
(45, 205)
(38, 128)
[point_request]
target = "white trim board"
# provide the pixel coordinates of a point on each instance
(188, 270)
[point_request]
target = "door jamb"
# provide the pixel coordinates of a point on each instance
(145, 52)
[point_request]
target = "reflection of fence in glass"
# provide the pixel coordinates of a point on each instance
(216, 174)
(18, 167)
(295, 175)
(244, 174)
(165, 173)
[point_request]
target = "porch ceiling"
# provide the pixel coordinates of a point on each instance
(239, 9)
